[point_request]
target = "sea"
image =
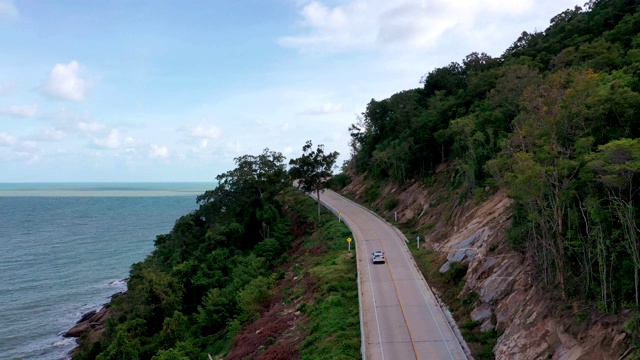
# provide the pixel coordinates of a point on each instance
(66, 248)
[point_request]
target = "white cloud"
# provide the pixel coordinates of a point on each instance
(90, 127)
(318, 15)
(415, 25)
(49, 135)
(64, 82)
(326, 108)
(158, 151)
(23, 111)
(8, 9)
(406, 24)
(6, 139)
(330, 29)
(203, 131)
(76, 122)
(121, 145)
(111, 141)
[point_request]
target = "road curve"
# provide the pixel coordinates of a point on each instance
(400, 317)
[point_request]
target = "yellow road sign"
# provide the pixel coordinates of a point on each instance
(349, 239)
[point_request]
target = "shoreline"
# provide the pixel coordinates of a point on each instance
(91, 324)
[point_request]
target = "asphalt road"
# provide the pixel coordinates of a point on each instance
(401, 318)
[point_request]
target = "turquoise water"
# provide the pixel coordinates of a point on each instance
(65, 249)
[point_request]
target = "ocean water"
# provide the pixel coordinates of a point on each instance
(66, 248)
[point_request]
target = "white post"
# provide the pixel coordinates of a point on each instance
(418, 242)
(395, 216)
(349, 246)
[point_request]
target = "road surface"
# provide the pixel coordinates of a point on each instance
(401, 319)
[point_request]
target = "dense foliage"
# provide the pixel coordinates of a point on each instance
(313, 169)
(556, 120)
(213, 273)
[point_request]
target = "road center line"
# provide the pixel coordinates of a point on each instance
(404, 314)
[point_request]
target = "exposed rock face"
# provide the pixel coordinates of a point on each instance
(92, 324)
(533, 323)
(92, 321)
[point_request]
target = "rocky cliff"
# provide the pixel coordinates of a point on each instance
(534, 321)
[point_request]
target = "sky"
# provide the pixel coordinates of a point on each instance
(173, 91)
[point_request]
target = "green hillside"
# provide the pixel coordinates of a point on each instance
(555, 120)
(252, 273)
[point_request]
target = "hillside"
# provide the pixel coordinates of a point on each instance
(501, 306)
(524, 171)
(252, 273)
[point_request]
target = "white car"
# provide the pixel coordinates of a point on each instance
(378, 257)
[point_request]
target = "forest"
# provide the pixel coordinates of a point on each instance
(555, 120)
(255, 245)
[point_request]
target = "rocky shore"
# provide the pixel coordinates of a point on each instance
(92, 324)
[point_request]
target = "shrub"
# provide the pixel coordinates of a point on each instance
(391, 203)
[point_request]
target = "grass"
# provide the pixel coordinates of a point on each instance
(333, 317)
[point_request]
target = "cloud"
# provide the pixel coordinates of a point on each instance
(158, 151)
(415, 25)
(75, 122)
(326, 108)
(64, 82)
(203, 131)
(6, 139)
(8, 10)
(111, 141)
(332, 29)
(49, 135)
(23, 111)
(90, 127)
(391, 24)
(318, 15)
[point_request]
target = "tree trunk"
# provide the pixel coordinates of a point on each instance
(318, 196)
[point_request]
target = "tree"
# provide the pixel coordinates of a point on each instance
(449, 79)
(312, 169)
(248, 192)
(618, 166)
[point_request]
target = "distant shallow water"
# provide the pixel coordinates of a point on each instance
(64, 255)
(104, 189)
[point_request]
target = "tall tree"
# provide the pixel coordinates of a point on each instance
(618, 166)
(313, 168)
